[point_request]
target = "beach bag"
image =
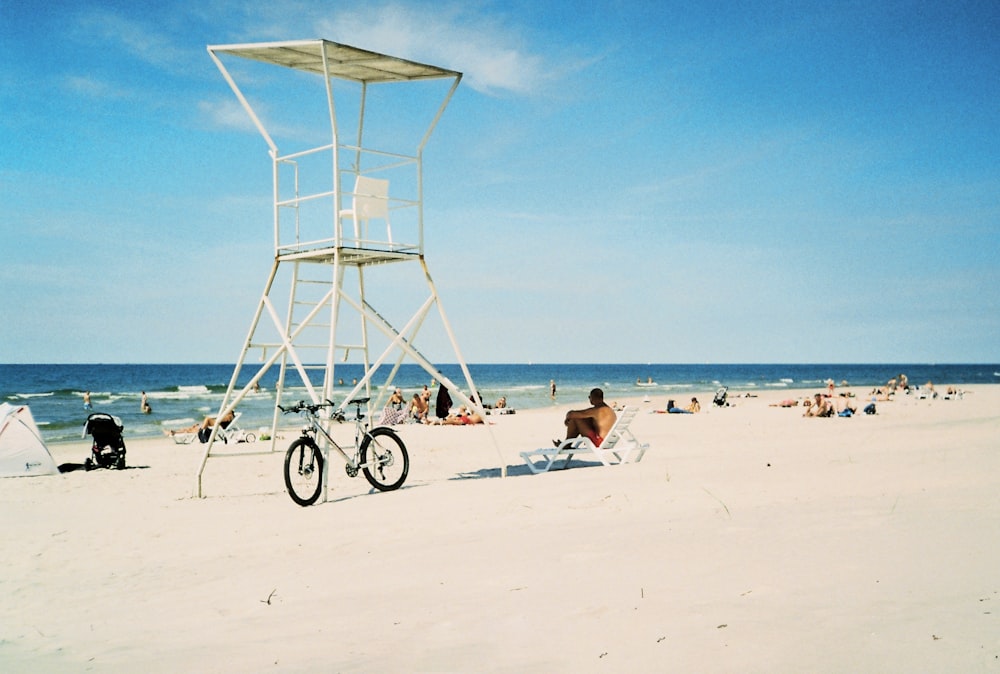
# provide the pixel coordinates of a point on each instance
(870, 408)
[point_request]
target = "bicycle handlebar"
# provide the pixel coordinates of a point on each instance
(312, 408)
(302, 406)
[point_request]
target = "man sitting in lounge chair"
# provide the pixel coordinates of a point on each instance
(594, 422)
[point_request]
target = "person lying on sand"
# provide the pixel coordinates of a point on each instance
(463, 418)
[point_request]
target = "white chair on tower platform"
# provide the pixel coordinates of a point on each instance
(369, 201)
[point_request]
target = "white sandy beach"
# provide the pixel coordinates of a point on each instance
(749, 539)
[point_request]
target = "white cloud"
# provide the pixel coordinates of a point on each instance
(140, 39)
(494, 53)
(227, 114)
(92, 87)
(490, 54)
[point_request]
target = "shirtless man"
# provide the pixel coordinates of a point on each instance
(418, 407)
(819, 407)
(594, 422)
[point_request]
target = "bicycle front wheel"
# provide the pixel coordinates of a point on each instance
(384, 460)
(303, 471)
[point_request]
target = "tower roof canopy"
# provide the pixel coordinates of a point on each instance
(342, 61)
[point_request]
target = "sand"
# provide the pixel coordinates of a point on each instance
(749, 539)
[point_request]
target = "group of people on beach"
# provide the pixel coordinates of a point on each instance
(901, 383)
(397, 410)
(844, 405)
(827, 404)
(594, 422)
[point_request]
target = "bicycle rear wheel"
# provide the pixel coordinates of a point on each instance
(384, 460)
(303, 471)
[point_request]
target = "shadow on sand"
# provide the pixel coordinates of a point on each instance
(517, 470)
(71, 467)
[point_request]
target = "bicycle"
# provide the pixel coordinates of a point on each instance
(378, 453)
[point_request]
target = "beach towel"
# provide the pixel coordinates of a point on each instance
(392, 415)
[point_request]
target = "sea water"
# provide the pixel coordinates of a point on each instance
(183, 394)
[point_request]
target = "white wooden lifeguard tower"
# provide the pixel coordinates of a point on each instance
(342, 209)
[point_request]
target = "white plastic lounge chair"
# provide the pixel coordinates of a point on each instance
(369, 202)
(230, 432)
(621, 446)
(183, 438)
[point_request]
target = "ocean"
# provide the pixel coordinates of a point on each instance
(183, 394)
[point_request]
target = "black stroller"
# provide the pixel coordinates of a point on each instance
(108, 450)
(720, 397)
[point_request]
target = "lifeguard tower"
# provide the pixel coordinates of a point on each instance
(347, 202)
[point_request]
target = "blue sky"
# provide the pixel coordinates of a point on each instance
(612, 182)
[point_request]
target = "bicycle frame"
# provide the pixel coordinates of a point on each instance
(315, 426)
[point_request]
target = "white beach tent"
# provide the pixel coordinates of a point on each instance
(22, 450)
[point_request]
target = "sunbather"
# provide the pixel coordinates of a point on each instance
(418, 407)
(204, 425)
(672, 408)
(461, 418)
(819, 407)
(464, 417)
(845, 406)
(595, 422)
